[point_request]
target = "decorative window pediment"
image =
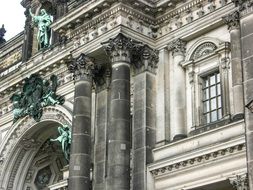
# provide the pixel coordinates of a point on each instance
(203, 50)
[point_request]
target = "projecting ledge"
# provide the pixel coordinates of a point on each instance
(220, 135)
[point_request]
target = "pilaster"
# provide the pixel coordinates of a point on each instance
(233, 22)
(178, 94)
(245, 8)
(144, 115)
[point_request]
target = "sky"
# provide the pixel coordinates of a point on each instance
(12, 16)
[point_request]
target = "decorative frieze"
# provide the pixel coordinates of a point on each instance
(209, 157)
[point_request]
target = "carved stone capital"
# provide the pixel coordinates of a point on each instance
(146, 59)
(82, 67)
(120, 48)
(239, 182)
(177, 46)
(242, 4)
(232, 20)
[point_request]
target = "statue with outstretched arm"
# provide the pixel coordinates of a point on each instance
(42, 22)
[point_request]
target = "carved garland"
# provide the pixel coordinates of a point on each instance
(197, 160)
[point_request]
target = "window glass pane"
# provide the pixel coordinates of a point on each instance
(218, 89)
(213, 116)
(212, 80)
(219, 101)
(218, 77)
(213, 91)
(208, 118)
(213, 104)
(206, 94)
(219, 114)
(206, 107)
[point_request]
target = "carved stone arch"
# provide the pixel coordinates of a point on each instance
(202, 47)
(19, 146)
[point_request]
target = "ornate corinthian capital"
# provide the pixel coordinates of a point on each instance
(82, 67)
(177, 46)
(120, 48)
(242, 4)
(239, 182)
(232, 20)
(146, 59)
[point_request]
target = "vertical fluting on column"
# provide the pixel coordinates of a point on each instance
(80, 155)
(233, 22)
(118, 165)
(101, 128)
(144, 115)
(178, 94)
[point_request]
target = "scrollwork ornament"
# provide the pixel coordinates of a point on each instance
(239, 182)
(146, 59)
(121, 47)
(232, 20)
(82, 67)
(242, 4)
(177, 46)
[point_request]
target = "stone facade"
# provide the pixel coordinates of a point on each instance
(158, 95)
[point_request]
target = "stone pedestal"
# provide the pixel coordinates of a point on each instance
(178, 95)
(80, 155)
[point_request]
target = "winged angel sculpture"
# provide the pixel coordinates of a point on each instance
(36, 94)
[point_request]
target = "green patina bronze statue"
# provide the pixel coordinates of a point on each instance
(43, 22)
(64, 139)
(36, 94)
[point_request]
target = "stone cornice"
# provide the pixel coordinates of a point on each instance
(200, 159)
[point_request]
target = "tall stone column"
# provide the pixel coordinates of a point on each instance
(80, 155)
(233, 22)
(246, 23)
(118, 175)
(239, 182)
(144, 116)
(178, 95)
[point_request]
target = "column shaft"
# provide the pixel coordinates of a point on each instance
(80, 158)
(119, 130)
(178, 104)
(236, 65)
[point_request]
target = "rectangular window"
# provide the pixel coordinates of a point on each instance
(212, 98)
